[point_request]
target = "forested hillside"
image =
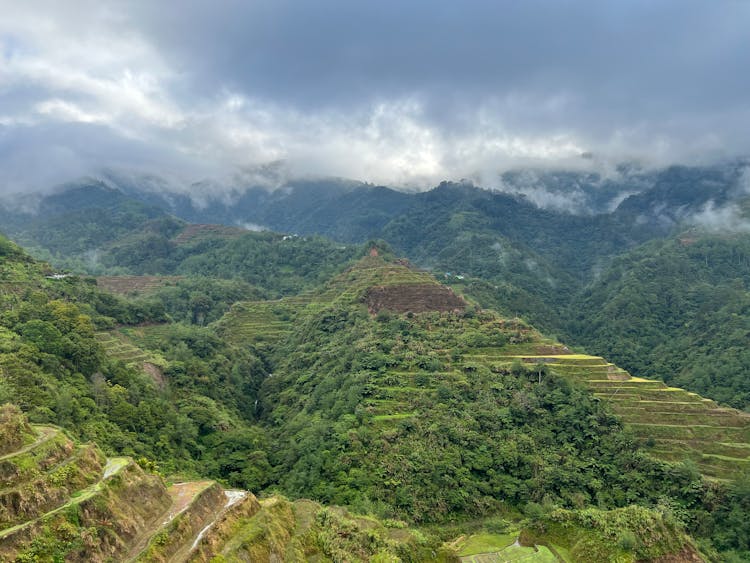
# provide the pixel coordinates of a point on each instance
(678, 310)
(382, 391)
(579, 275)
(248, 357)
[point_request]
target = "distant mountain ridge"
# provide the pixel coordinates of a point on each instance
(501, 248)
(628, 188)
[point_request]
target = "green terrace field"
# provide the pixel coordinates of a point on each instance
(135, 285)
(487, 547)
(259, 321)
(675, 424)
(52, 483)
(442, 362)
(118, 345)
(270, 321)
(63, 501)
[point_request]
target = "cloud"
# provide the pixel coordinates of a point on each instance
(388, 92)
(721, 219)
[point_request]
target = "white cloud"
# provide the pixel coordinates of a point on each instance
(86, 85)
(724, 219)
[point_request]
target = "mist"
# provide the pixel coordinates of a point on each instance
(214, 98)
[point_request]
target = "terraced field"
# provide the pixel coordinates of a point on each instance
(259, 322)
(495, 548)
(674, 423)
(132, 285)
(64, 501)
(52, 482)
(119, 347)
(396, 287)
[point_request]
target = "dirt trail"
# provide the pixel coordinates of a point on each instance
(233, 497)
(45, 433)
(114, 465)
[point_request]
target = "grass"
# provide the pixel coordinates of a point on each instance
(398, 416)
(486, 543)
(499, 548)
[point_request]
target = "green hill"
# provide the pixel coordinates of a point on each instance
(382, 391)
(63, 501)
(392, 397)
(676, 310)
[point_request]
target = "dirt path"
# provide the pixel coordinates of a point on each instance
(114, 465)
(233, 497)
(45, 433)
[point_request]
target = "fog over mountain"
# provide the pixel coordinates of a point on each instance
(389, 93)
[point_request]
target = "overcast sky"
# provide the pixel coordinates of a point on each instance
(398, 92)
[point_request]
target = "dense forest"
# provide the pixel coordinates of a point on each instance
(391, 413)
(266, 360)
(603, 278)
(676, 310)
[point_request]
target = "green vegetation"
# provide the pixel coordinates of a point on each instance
(381, 391)
(304, 531)
(627, 534)
(674, 424)
(676, 310)
(53, 352)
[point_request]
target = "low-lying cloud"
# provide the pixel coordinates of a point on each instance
(727, 218)
(389, 93)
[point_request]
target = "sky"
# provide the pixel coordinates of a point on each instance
(402, 93)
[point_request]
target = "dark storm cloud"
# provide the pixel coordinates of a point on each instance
(630, 55)
(404, 92)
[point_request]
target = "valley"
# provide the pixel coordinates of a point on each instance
(374, 282)
(296, 397)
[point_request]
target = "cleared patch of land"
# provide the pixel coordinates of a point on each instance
(134, 285)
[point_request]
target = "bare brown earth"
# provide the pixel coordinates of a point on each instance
(415, 298)
(126, 285)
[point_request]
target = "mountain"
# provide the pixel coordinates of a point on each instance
(547, 253)
(509, 254)
(681, 310)
(383, 391)
(394, 395)
(78, 218)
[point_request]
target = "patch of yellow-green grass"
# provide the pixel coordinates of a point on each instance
(725, 458)
(562, 553)
(736, 445)
(602, 386)
(486, 543)
(662, 431)
(560, 357)
(722, 434)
